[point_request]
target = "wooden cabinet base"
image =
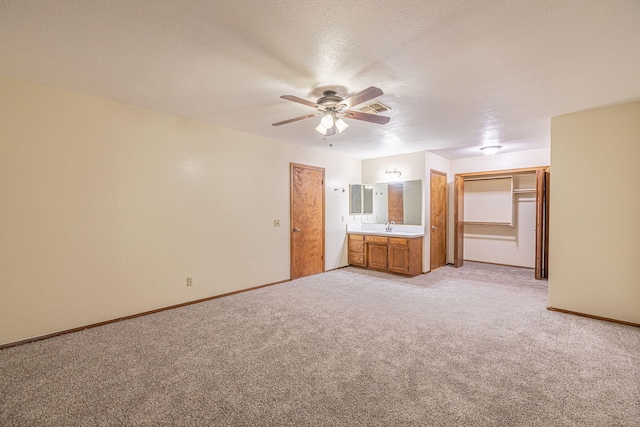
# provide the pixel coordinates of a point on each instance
(402, 255)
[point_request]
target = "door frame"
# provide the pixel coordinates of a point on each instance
(291, 251)
(542, 214)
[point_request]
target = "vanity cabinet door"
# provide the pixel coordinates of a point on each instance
(399, 259)
(377, 256)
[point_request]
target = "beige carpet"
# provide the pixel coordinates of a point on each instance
(457, 347)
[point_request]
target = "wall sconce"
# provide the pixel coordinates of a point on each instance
(490, 150)
(394, 171)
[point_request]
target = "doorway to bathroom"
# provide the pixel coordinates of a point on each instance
(438, 219)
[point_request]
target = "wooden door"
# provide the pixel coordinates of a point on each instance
(542, 224)
(307, 220)
(438, 219)
(395, 199)
(545, 249)
(458, 221)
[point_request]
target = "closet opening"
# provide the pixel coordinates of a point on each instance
(501, 217)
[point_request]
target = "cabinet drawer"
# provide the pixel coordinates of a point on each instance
(375, 239)
(356, 259)
(356, 246)
(356, 237)
(398, 241)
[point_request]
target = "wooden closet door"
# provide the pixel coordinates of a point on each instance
(542, 224)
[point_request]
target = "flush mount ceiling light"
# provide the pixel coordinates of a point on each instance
(333, 107)
(490, 150)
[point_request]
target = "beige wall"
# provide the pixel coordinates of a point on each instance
(515, 160)
(106, 208)
(595, 204)
(411, 166)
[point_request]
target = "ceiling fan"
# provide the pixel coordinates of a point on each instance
(333, 107)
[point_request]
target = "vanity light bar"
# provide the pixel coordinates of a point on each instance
(395, 171)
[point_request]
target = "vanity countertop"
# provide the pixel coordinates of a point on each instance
(388, 233)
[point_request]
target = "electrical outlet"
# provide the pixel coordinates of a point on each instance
(276, 223)
(189, 281)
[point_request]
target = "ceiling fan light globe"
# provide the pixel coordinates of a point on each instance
(321, 129)
(327, 121)
(341, 125)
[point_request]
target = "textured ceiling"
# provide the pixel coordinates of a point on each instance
(457, 74)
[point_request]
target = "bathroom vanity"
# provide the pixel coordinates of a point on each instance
(391, 252)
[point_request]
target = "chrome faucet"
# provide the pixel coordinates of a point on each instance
(389, 226)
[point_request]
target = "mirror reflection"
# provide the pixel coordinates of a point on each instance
(400, 202)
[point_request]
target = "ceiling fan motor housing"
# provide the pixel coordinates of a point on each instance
(330, 99)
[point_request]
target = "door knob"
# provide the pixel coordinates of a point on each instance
(433, 227)
(295, 230)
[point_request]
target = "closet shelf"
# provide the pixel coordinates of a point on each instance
(524, 190)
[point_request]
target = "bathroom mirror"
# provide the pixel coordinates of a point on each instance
(355, 199)
(384, 202)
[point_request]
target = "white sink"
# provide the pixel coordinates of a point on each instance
(389, 233)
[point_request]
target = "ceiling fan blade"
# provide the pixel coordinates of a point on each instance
(296, 119)
(360, 97)
(301, 101)
(366, 117)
